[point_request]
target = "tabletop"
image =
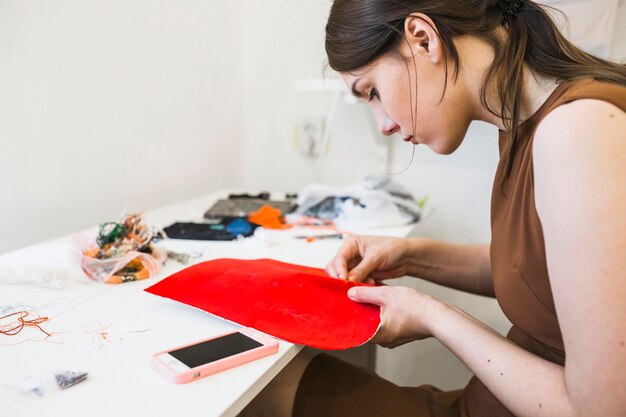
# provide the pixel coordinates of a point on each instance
(111, 331)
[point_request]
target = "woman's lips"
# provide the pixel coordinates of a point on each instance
(408, 139)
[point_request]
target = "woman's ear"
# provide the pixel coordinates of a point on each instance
(422, 37)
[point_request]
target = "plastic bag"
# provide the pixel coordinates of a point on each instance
(132, 266)
(122, 252)
(43, 383)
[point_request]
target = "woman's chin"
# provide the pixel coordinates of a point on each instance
(443, 147)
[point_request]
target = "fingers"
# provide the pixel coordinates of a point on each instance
(359, 259)
(345, 258)
(363, 269)
(354, 262)
(368, 295)
(332, 270)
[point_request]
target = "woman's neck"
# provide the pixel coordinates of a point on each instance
(476, 57)
(536, 91)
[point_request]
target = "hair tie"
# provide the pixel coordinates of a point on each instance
(509, 9)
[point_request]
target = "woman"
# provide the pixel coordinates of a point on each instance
(556, 262)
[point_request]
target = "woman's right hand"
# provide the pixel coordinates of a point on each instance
(369, 258)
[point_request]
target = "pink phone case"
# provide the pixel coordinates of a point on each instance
(269, 346)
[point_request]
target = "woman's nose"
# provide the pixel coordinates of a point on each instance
(388, 126)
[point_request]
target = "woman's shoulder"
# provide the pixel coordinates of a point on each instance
(584, 118)
(580, 137)
(577, 100)
(580, 108)
(589, 89)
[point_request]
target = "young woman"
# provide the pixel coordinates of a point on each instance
(557, 260)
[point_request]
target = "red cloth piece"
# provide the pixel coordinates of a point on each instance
(295, 303)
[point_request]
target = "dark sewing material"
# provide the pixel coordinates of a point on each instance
(242, 207)
(263, 195)
(220, 228)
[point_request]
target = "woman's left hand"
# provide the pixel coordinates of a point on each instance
(405, 314)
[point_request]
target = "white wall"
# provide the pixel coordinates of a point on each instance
(113, 105)
(283, 43)
(618, 46)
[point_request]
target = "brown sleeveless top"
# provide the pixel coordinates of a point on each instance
(518, 256)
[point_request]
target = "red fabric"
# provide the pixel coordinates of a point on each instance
(295, 303)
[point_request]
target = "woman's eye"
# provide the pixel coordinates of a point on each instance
(374, 94)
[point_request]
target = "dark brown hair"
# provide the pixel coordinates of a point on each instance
(360, 31)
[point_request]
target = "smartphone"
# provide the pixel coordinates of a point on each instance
(206, 357)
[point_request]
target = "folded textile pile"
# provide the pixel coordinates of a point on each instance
(375, 202)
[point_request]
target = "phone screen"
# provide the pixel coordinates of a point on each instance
(214, 349)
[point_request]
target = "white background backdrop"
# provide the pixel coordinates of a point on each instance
(107, 106)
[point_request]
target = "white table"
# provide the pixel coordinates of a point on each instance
(96, 322)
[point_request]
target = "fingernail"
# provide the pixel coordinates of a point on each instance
(352, 293)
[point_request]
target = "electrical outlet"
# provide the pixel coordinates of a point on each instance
(308, 136)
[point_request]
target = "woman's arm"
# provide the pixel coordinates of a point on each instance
(526, 384)
(580, 191)
(464, 267)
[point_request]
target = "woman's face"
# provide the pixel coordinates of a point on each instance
(405, 97)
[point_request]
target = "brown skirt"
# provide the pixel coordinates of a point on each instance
(331, 387)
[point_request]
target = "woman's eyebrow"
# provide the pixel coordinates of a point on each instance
(356, 92)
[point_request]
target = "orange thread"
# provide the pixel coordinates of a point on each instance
(101, 335)
(13, 328)
(56, 337)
